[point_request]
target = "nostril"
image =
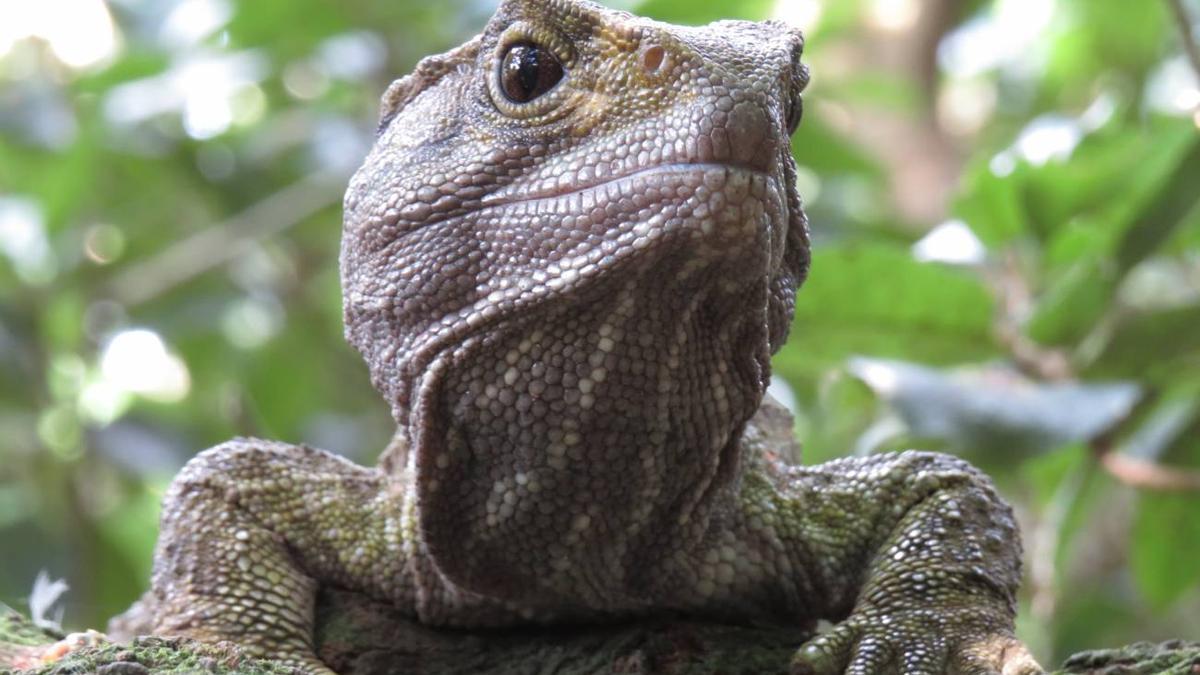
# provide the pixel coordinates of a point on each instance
(654, 57)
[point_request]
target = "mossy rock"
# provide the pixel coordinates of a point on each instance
(22, 648)
(1176, 657)
(359, 637)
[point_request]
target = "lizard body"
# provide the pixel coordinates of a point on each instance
(567, 261)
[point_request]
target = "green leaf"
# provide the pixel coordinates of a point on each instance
(879, 90)
(125, 540)
(693, 13)
(1095, 183)
(283, 396)
(1112, 43)
(1166, 546)
(1072, 306)
(992, 205)
(1165, 424)
(872, 298)
(1152, 344)
(839, 19)
(62, 321)
(258, 25)
(817, 146)
(1163, 201)
(1046, 472)
(1170, 208)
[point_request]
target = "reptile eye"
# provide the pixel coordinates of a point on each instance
(528, 71)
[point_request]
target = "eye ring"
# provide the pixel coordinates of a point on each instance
(538, 83)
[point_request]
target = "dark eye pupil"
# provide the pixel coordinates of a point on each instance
(528, 71)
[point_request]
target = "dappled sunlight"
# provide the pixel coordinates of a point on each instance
(1047, 138)
(136, 361)
(1011, 35)
(950, 242)
(966, 105)
(23, 239)
(803, 14)
(79, 32)
(251, 322)
(210, 91)
(894, 15)
(189, 22)
(1174, 89)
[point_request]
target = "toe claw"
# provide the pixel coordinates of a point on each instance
(998, 655)
(826, 654)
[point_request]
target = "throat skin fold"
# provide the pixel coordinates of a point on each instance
(576, 319)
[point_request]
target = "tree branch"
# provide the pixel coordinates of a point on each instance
(1140, 473)
(226, 240)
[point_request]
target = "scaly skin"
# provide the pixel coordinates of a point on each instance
(570, 305)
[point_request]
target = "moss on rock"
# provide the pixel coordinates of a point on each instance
(360, 637)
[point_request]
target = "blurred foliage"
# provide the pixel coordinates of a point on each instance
(1004, 196)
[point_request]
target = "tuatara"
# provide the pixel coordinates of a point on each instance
(567, 262)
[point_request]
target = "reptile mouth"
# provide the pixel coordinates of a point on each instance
(521, 193)
(506, 195)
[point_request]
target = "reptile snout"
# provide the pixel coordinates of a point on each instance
(756, 102)
(751, 141)
(742, 131)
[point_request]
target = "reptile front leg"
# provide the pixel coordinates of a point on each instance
(249, 527)
(917, 557)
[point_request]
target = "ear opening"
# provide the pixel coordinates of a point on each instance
(429, 71)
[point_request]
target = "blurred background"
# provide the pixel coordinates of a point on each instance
(1004, 202)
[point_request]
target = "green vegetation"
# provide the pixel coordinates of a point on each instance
(1005, 200)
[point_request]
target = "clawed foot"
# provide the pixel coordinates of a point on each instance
(43, 655)
(916, 642)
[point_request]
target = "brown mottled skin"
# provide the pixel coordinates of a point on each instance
(567, 269)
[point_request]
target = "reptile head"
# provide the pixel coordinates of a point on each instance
(574, 232)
